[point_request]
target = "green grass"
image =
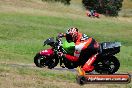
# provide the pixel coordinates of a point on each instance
(22, 35)
(18, 76)
(33, 77)
(64, 75)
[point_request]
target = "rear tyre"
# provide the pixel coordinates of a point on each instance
(53, 62)
(70, 65)
(107, 65)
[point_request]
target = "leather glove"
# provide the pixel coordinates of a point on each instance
(60, 35)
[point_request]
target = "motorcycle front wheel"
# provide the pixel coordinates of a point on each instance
(43, 61)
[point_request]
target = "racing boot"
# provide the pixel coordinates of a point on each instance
(80, 71)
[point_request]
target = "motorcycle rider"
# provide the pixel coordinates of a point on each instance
(85, 49)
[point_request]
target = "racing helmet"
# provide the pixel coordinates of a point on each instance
(71, 35)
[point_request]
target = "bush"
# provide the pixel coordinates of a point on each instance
(106, 7)
(66, 2)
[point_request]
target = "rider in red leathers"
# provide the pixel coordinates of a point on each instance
(85, 49)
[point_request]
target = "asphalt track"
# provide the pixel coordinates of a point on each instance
(34, 67)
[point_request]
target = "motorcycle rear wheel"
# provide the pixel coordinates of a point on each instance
(107, 65)
(70, 65)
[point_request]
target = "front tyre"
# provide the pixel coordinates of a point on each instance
(43, 61)
(39, 60)
(107, 65)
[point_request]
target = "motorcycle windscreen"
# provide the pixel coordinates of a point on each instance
(47, 52)
(69, 47)
(49, 41)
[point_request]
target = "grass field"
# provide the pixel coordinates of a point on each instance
(24, 24)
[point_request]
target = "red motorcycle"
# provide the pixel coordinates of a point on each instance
(95, 14)
(106, 62)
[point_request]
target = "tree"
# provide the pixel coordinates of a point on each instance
(106, 7)
(66, 2)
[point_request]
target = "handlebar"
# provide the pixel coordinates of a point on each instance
(56, 45)
(59, 46)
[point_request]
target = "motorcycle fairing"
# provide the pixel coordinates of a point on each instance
(47, 52)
